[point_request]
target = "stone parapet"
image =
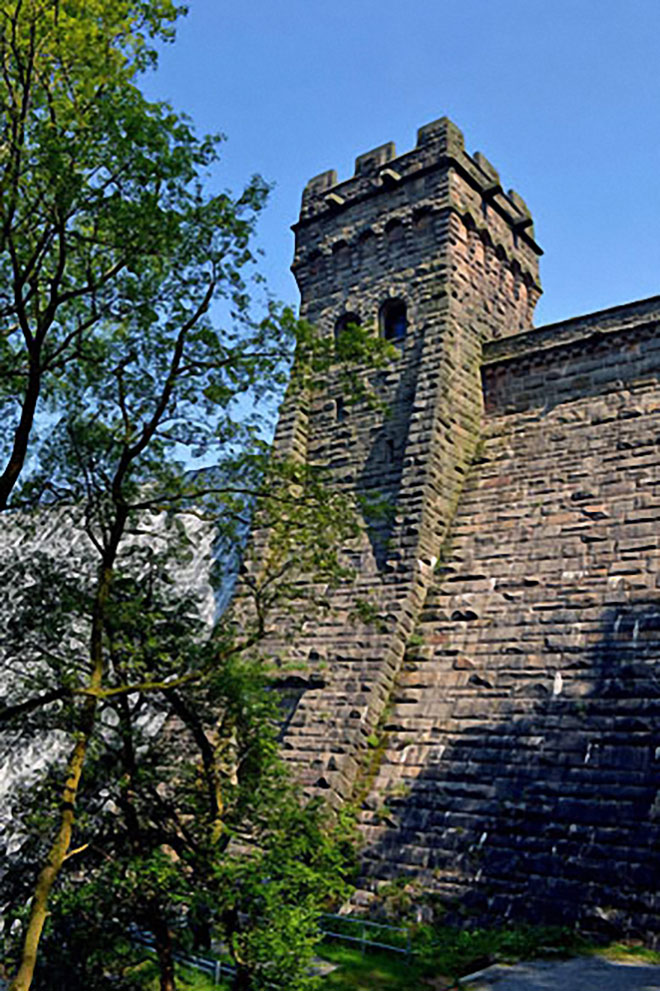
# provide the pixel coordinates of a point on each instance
(330, 209)
(576, 331)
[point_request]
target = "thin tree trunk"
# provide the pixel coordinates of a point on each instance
(230, 925)
(49, 872)
(14, 466)
(242, 979)
(60, 848)
(163, 937)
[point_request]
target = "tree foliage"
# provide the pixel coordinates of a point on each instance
(128, 344)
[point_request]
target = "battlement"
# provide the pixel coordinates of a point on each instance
(512, 678)
(440, 144)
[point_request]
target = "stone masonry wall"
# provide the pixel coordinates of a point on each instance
(512, 692)
(434, 229)
(520, 773)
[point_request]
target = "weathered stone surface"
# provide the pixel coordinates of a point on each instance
(515, 693)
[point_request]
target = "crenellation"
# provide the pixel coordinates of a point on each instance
(412, 177)
(372, 161)
(513, 685)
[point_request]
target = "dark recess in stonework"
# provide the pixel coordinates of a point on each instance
(553, 817)
(345, 321)
(394, 321)
(379, 481)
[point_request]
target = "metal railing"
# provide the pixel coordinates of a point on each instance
(363, 934)
(329, 924)
(216, 969)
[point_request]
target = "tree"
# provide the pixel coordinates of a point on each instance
(93, 185)
(113, 260)
(214, 836)
(121, 479)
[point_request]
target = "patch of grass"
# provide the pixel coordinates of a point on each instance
(629, 951)
(193, 980)
(461, 951)
(442, 955)
(371, 971)
(187, 979)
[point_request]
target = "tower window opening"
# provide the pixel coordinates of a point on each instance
(422, 220)
(345, 321)
(395, 231)
(393, 320)
(342, 255)
(366, 245)
(340, 409)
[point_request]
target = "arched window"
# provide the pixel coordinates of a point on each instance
(344, 321)
(395, 236)
(367, 246)
(393, 320)
(423, 221)
(395, 232)
(342, 255)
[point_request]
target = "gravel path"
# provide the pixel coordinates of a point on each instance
(580, 974)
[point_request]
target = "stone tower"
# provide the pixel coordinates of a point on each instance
(428, 249)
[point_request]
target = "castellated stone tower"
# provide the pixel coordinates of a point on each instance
(428, 249)
(512, 694)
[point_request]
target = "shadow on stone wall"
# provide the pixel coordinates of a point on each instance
(379, 482)
(554, 816)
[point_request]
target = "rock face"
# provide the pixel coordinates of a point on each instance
(507, 707)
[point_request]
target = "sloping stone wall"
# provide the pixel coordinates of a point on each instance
(521, 766)
(503, 722)
(434, 230)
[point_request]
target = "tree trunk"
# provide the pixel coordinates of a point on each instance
(60, 848)
(14, 466)
(49, 872)
(242, 979)
(163, 937)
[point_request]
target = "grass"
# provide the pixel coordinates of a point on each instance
(632, 952)
(461, 951)
(442, 955)
(373, 971)
(187, 978)
(193, 980)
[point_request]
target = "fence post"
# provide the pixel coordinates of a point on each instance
(217, 972)
(364, 938)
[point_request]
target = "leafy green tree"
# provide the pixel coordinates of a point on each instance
(95, 193)
(137, 644)
(106, 233)
(128, 343)
(200, 816)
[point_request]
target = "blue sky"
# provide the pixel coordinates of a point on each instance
(563, 97)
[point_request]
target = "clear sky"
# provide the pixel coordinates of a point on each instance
(563, 97)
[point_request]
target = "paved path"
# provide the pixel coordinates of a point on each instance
(580, 974)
